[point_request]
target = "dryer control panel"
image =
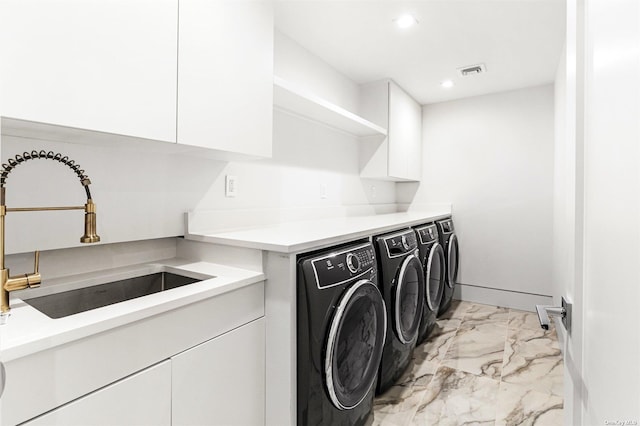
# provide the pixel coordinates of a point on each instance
(400, 244)
(446, 225)
(344, 266)
(427, 234)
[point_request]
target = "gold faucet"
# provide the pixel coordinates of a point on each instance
(32, 280)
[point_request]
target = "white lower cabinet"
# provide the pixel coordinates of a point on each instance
(199, 364)
(221, 381)
(143, 398)
(218, 382)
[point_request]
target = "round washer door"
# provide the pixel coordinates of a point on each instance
(354, 345)
(435, 276)
(408, 299)
(452, 260)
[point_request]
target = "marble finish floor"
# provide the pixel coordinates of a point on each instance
(482, 365)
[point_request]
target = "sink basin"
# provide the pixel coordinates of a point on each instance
(67, 303)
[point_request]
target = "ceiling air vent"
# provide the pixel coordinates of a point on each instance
(472, 70)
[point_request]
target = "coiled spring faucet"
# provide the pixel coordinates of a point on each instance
(32, 280)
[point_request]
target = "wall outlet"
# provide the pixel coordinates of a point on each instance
(230, 186)
(323, 190)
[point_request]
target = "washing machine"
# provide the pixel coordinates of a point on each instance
(449, 242)
(431, 254)
(341, 327)
(402, 284)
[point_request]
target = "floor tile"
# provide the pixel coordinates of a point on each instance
(519, 406)
(535, 338)
(455, 397)
(529, 320)
(478, 349)
(481, 365)
(481, 314)
(397, 405)
(419, 374)
(533, 360)
(389, 419)
(485, 327)
(433, 351)
(457, 309)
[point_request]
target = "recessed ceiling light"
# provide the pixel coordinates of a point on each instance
(446, 84)
(405, 21)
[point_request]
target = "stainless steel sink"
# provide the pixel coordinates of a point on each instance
(67, 303)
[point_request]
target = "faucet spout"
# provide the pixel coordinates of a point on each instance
(19, 282)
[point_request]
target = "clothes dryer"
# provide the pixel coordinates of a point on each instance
(432, 257)
(449, 242)
(402, 284)
(340, 335)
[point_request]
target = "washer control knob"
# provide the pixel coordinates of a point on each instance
(353, 263)
(405, 243)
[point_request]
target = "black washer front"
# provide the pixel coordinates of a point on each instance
(402, 284)
(340, 335)
(433, 261)
(407, 299)
(354, 345)
(449, 241)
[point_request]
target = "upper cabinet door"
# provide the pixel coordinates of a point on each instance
(405, 139)
(397, 157)
(225, 75)
(104, 65)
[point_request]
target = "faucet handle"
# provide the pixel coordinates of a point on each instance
(22, 281)
(34, 279)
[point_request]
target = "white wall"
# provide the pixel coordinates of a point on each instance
(491, 157)
(569, 206)
(611, 339)
(143, 194)
(564, 185)
(597, 210)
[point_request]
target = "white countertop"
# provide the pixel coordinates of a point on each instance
(295, 237)
(27, 330)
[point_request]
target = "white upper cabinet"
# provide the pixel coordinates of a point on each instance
(398, 156)
(225, 76)
(104, 65)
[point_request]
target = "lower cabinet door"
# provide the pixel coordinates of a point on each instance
(222, 381)
(143, 398)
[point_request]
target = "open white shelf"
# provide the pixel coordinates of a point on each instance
(289, 97)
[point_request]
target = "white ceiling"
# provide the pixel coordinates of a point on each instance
(519, 41)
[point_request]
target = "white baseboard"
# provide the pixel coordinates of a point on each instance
(500, 297)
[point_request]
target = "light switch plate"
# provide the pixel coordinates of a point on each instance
(230, 186)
